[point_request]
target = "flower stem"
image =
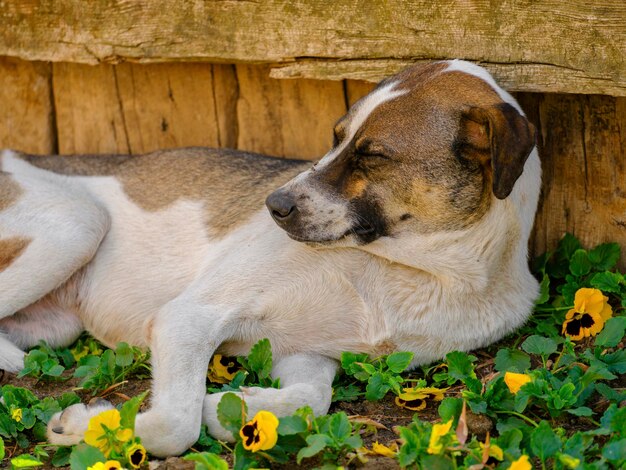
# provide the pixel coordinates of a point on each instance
(553, 309)
(519, 415)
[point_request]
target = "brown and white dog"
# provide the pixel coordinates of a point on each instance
(409, 235)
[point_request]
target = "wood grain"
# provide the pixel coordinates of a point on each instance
(582, 143)
(89, 114)
(131, 108)
(286, 118)
(27, 118)
(575, 46)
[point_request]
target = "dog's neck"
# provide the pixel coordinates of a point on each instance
(470, 260)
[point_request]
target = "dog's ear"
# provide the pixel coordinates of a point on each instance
(501, 139)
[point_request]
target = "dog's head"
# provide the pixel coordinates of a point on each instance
(427, 150)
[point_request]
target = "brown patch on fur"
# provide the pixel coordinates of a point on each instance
(10, 191)
(383, 348)
(11, 249)
(355, 187)
(233, 185)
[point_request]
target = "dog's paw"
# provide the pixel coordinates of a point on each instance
(68, 426)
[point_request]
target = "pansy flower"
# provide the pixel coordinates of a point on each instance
(415, 398)
(591, 310)
(222, 369)
(521, 464)
(515, 381)
(437, 435)
(16, 415)
(104, 431)
(108, 465)
(136, 455)
(260, 433)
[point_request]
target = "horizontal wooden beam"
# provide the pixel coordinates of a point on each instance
(576, 46)
(532, 77)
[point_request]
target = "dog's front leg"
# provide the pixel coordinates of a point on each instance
(306, 379)
(182, 338)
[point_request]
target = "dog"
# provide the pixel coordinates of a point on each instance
(410, 234)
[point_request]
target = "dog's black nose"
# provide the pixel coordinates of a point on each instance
(282, 206)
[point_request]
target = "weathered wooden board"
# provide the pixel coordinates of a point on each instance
(131, 108)
(26, 113)
(89, 114)
(286, 118)
(582, 145)
(577, 46)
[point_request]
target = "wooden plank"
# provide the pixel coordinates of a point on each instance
(131, 108)
(574, 46)
(286, 118)
(532, 77)
(168, 105)
(582, 143)
(88, 111)
(26, 120)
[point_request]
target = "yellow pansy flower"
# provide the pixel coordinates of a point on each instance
(521, 464)
(591, 310)
(104, 431)
(415, 398)
(435, 446)
(222, 369)
(136, 455)
(16, 415)
(515, 381)
(494, 450)
(108, 465)
(260, 433)
(383, 450)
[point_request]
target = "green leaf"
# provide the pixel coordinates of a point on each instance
(581, 411)
(615, 451)
(124, 355)
(230, 411)
(260, 358)
(339, 426)
(346, 393)
(84, 456)
(25, 461)
(377, 387)
(207, 461)
(289, 425)
(61, 457)
(540, 345)
(544, 442)
(129, 411)
(450, 408)
(460, 365)
(316, 443)
(512, 360)
(604, 256)
(1, 449)
(568, 245)
(399, 361)
(607, 281)
(544, 290)
(579, 264)
(612, 333)
(436, 462)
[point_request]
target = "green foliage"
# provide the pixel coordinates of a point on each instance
(112, 367)
(381, 374)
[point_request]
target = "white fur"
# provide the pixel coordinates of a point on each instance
(158, 279)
